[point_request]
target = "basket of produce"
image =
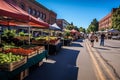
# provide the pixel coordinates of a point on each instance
(10, 62)
(21, 51)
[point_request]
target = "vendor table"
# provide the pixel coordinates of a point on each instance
(53, 49)
(66, 42)
(7, 75)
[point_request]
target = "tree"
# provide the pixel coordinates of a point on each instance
(93, 27)
(81, 29)
(70, 26)
(116, 19)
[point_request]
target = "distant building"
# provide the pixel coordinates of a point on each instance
(106, 22)
(62, 23)
(37, 10)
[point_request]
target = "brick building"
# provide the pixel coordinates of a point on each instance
(106, 22)
(62, 23)
(37, 10)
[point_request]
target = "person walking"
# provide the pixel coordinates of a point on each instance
(102, 39)
(92, 38)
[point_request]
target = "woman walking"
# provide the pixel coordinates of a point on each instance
(92, 39)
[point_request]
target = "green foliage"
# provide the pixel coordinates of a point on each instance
(81, 29)
(93, 27)
(67, 33)
(116, 19)
(70, 27)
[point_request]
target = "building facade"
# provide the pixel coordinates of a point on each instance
(37, 10)
(62, 23)
(106, 22)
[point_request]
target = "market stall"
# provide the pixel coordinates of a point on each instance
(11, 75)
(15, 57)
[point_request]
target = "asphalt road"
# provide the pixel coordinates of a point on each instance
(80, 61)
(110, 53)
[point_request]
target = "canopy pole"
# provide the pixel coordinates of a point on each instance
(29, 34)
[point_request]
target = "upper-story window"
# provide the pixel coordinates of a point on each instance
(22, 6)
(41, 15)
(44, 16)
(38, 13)
(34, 12)
(30, 10)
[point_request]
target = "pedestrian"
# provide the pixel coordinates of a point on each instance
(102, 39)
(96, 38)
(92, 38)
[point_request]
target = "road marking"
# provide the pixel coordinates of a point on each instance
(105, 67)
(100, 74)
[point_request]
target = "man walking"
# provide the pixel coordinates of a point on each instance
(102, 39)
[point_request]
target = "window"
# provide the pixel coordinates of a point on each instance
(22, 6)
(34, 12)
(44, 16)
(30, 11)
(38, 13)
(41, 15)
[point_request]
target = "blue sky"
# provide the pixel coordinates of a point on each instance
(80, 12)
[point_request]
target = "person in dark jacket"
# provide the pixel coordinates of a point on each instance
(102, 39)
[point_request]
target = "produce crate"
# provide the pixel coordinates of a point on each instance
(32, 54)
(14, 65)
(41, 49)
(29, 55)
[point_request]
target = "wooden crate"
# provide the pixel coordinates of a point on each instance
(22, 75)
(29, 55)
(14, 65)
(32, 54)
(41, 49)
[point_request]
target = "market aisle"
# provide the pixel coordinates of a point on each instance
(84, 63)
(59, 67)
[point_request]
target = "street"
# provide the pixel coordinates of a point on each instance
(80, 61)
(102, 63)
(110, 54)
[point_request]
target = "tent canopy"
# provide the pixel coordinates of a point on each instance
(55, 27)
(74, 31)
(113, 31)
(9, 10)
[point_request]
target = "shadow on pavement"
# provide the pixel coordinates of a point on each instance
(112, 46)
(76, 45)
(101, 48)
(79, 40)
(62, 68)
